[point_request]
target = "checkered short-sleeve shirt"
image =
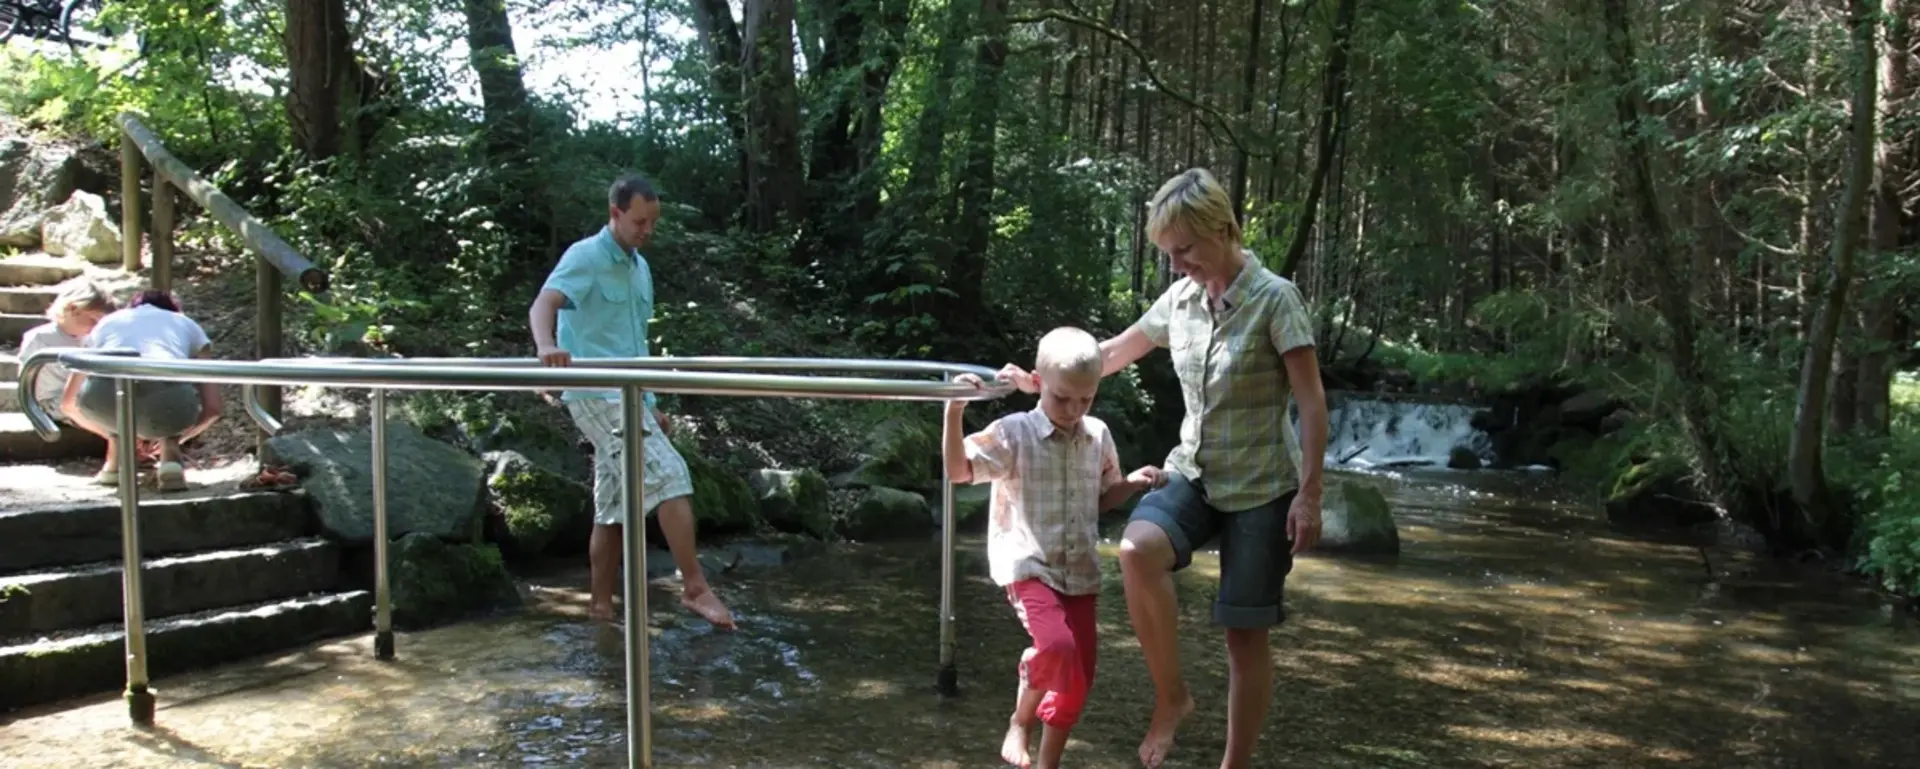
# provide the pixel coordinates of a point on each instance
(1236, 439)
(1045, 510)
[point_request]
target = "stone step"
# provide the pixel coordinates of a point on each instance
(29, 300)
(76, 534)
(81, 596)
(93, 661)
(19, 443)
(38, 270)
(9, 395)
(9, 367)
(14, 325)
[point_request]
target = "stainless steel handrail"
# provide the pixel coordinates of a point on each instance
(632, 377)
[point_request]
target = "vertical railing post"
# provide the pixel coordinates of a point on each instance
(266, 340)
(633, 421)
(162, 227)
(382, 597)
(130, 168)
(139, 698)
(948, 681)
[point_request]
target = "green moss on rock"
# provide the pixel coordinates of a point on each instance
(883, 513)
(723, 502)
(436, 582)
(793, 500)
(533, 506)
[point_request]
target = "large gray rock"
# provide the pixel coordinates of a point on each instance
(81, 229)
(36, 177)
(883, 513)
(435, 581)
(432, 488)
(1355, 519)
(535, 509)
(793, 500)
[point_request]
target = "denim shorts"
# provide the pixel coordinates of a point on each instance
(1255, 553)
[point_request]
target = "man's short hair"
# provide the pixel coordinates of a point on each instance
(1070, 351)
(628, 187)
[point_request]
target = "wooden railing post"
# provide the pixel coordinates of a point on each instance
(130, 168)
(162, 227)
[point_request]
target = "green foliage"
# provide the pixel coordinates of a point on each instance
(1879, 476)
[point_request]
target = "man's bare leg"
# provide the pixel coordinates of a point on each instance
(1249, 693)
(1146, 562)
(604, 553)
(676, 521)
(1013, 749)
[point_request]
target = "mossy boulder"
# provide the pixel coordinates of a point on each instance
(884, 513)
(969, 507)
(903, 453)
(436, 582)
(1658, 492)
(1356, 520)
(535, 510)
(793, 500)
(432, 487)
(723, 502)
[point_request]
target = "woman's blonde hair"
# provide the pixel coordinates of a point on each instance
(80, 296)
(1194, 201)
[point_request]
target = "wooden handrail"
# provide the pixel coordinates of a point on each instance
(257, 235)
(276, 257)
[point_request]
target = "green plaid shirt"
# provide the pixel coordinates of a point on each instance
(1236, 435)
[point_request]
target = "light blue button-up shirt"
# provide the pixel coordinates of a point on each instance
(609, 293)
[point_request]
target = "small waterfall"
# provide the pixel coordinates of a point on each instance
(1372, 431)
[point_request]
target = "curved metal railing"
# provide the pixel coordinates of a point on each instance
(631, 377)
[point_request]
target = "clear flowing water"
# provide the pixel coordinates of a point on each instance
(1515, 629)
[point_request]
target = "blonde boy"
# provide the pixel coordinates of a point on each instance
(1053, 469)
(70, 318)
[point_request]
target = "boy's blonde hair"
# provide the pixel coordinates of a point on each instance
(1193, 201)
(1070, 351)
(80, 296)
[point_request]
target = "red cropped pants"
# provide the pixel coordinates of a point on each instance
(1065, 648)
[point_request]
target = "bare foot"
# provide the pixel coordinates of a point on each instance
(600, 612)
(1159, 740)
(1013, 749)
(702, 601)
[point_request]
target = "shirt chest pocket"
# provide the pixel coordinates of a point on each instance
(620, 292)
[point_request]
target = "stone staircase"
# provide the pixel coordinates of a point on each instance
(227, 573)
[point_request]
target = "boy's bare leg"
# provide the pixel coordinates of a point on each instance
(1053, 742)
(604, 551)
(1146, 563)
(1013, 749)
(676, 521)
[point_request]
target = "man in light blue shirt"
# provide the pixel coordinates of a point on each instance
(600, 298)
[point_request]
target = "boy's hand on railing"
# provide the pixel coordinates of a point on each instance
(955, 407)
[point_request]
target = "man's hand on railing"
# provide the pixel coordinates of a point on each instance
(554, 357)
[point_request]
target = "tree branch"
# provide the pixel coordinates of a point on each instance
(1215, 119)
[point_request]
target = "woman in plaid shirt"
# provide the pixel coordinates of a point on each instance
(1054, 470)
(1242, 344)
